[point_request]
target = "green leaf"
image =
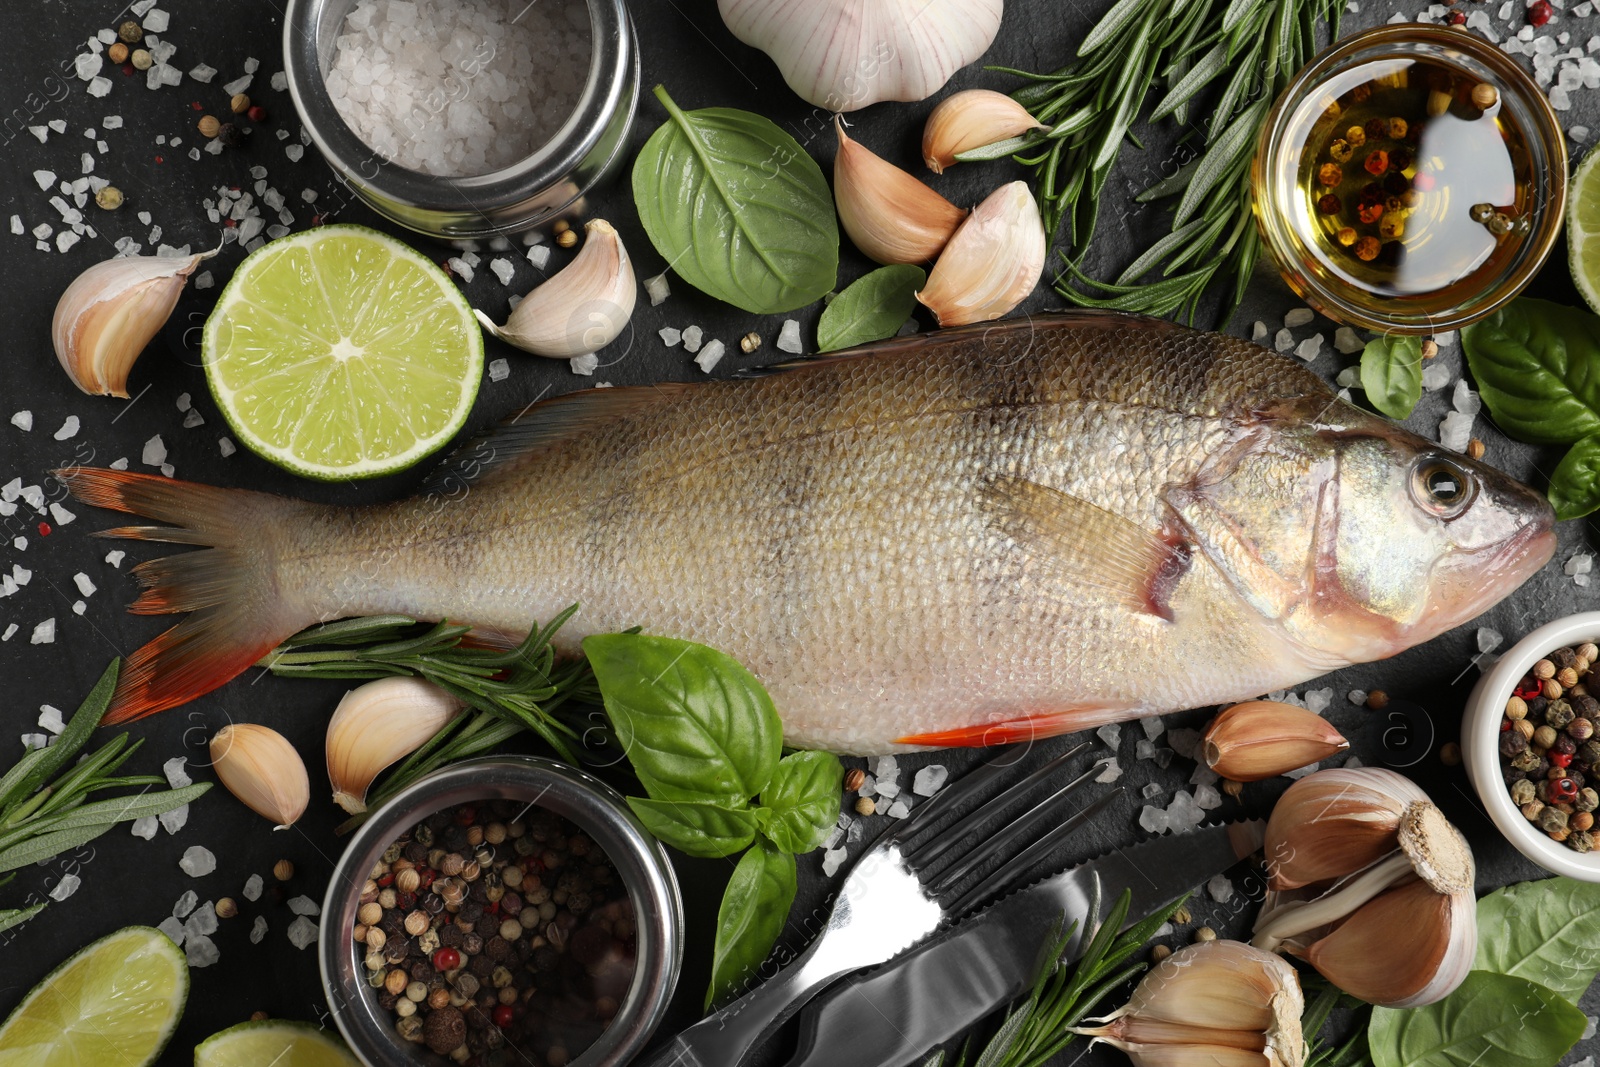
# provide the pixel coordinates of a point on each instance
(804, 800)
(1195, 79)
(48, 846)
(737, 208)
(695, 724)
(1111, 25)
(755, 907)
(872, 307)
(1391, 373)
(1547, 932)
(1497, 1019)
(1538, 370)
(114, 810)
(698, 828)
(1575, 485)
(66, 746)
(1236, 143)
(18, 916)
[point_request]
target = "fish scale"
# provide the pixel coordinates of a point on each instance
(976, 535)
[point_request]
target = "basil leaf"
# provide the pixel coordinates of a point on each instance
(710, 831)
(804, 800)
(1491, 1018)
(695, 724)
(1575, 485)
(872, 307)
(1391, 374)
(755, 907)
(738, 208)
(1547, 932)
(1538, 370)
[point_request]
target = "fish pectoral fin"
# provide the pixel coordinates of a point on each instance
(1084, 544)
(1026, 728)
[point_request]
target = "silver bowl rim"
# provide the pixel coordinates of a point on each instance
(568, 791)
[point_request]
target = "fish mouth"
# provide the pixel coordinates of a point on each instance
(1496, 571)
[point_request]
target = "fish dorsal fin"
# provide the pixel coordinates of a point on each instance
(542, 424)
(1082, 543)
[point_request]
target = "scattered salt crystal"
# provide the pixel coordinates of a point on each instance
(1151, 790)
(1143, 748)
(156, 21)
(238, 85)
(869, 787)
(79, 607)
(710, 355)
(1580, 564)
(1207, 797)
(1310, 348)
(1455, 431)
(1112, 771)
(888, 788)
(204, 280)
(460, 267)
(44, 633)
(115, 556)
(175, 820)
(499, 369)
(280, 81)
(251, 64)
(886, 767)
(87, 64)
(11, 631)
(1153, 726)
(835, 836)
(657, 289)
(539, 256)
(50, 719)
(155, 452)
(1489, 640)
(1283, 340)
(1185, 742)
(586, 363)
(1317, 700)
(789, 338)
(670, 337)
(831, 861)
(119, 464)
(203, 73)
(69, 428)
(252, 887)
(145, 827)
(930, 780)
(503, 270)
(1435, 376)
(61, 515)
(173, 929)
(177, 777)
(1301, 772)
(66, 887)
(304, 905)
(58, 125)
(1183, 813)
(1220, 888)
(1347, 340)
(22, 420)
(1349, 377)
(185, 904)
(1259, 332)
(65, 240)
(1590, 1023)
(1153, 820)
(1110, 734)
(226, 447)
(33, 741)
(202, 921)
(258, 930)
(201, 952)
(84, 583)
(899, 809)
(197, 861)
(1465, 400)
(1299, 317)
(692, 337)
(1578, 133)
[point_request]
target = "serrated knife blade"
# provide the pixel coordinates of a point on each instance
(890, 1016)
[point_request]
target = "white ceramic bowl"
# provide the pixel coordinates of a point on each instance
(1480, 744)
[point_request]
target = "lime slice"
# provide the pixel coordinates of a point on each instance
(1583, 229)
(114, 1004)
(281, 1044)
(342, 353)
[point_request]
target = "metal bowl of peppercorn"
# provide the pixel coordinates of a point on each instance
(1530, 738)
(510, 904)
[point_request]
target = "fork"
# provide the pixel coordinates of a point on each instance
(891, 900)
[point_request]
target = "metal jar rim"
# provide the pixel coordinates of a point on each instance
(567, 791)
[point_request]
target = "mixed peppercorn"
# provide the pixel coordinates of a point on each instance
(497, 933)
(1548, 748)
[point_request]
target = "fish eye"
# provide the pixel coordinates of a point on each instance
(1443, 487)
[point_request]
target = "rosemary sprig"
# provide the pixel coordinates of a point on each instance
(1252, 48)
(1038, 1028)
(1353, 1051)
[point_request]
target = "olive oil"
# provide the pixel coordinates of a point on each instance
(1414, 180)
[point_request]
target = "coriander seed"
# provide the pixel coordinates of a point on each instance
(239, 104)
(854, 779)
(141, 59)
(208, 126)
(1205, 933)
(1232, 787)
(866, 806)
(259, 1016)
(109, 197)
(1430, 348)
(1475, 449)
(1159, 953)
(283, 870)
(117, 53)
(749, 342)
(1182, 915)
(396, 981)
(226, 908)
(567, 238)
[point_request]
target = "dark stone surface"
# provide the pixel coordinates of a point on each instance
(133, 881)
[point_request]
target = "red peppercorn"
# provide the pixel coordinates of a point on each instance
(1505, 725)
(44, 529)
(196, 105)
(428, 874)
(466, 816)
(1328, 204)
(257, 113)
(1563, 791)
(447, 959)
(1377, 161)
(386, 881)
(502, 1015)
(1560, 759)
(1540, 13)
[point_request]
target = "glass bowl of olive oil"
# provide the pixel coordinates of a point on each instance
(1410, 179)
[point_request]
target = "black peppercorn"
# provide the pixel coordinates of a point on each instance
(498, 949)
(417, 853)
(455, 838)
(443, 1030)
(387, 1000)
(472, 944)
(450, 936)
(232, 136)
(1536, 708)
(1376, 129)
(1512, 744)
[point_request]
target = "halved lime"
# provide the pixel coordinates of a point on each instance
(341, 352)
(114, 1004)
(1583, 229)
(274, 1042)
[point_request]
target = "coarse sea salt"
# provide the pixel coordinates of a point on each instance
(584, 364)
(252, 887)
(657, 289)
(789, 338)
(145, 827)
(258, 930)
(710, 355)
(197, 861)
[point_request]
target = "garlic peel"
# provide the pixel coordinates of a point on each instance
(992, 262)
(889, 215)
(376, 724)
(1334, 822)
(111, 311)
(971, 119)
(582, 308)
(843, 55)
(1408, 947)
(1262, 738)
(261, 768)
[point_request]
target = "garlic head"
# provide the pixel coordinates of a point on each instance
(1262, 738)
(971, 119)
(582, 308)
(1404, 948)
(992, 262)
(1334, 822)
(261, 768)
(110, 313)
(375, 725)
(890, 215)
(843, 55)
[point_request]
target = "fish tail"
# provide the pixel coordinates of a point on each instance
(229, 588)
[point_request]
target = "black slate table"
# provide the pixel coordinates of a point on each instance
(127, 880)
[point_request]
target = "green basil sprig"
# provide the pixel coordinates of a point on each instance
(1538, 369)
(1547, 932)
(737, 208)
(704, 739)
(872, 307)
(1491, 1018)
(1391, 374)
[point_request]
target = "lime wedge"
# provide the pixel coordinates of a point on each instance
(341, 352)
(114, 1004)
(281, 1044)
(1583, 229)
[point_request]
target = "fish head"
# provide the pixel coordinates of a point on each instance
(1364, 540)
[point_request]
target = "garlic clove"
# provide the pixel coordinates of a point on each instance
(259, 767)
(1262, 738)
(971, 119)
(843, 55)
(110, 313)
(992, 262)
(1407, 947)
(890, 215)
(375, 725)
(1194, 1056)
(1334, 822)
(582, 308)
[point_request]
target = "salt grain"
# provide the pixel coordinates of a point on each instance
(584, 364)
(69, 428)
(1299, 317)
(304, 905)
(84, 583)
(1110, 733)
(145, 827)
(831, 862)
(176, 819)
(115, 557)
(61, 515)
(670, 337)
(1310, 348)
(258, 930)
(1489, 640)
(155, 452)
(899, 809)
(197, 861)
(1220, 888)
(692, 338)
(173, 929)
(539, 256)
(502, 269)
(789, 338)
(22, 420)
(499, 369)
(710, 355)
(252, 887)
(44, 633)
(1283, 341)
(657, 289)
(185, 904)
(1111, 772)
(177, 777)
(201, 952)
(202, 921)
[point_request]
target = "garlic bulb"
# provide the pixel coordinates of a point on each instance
(993, 261)
(110, 313)
(375, 725)
(890, 215)
(582, 308)
(1262, 738)
(1215, 1002)
(843, 55)
(259, 767)
(1400, 930)
(971, 119)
